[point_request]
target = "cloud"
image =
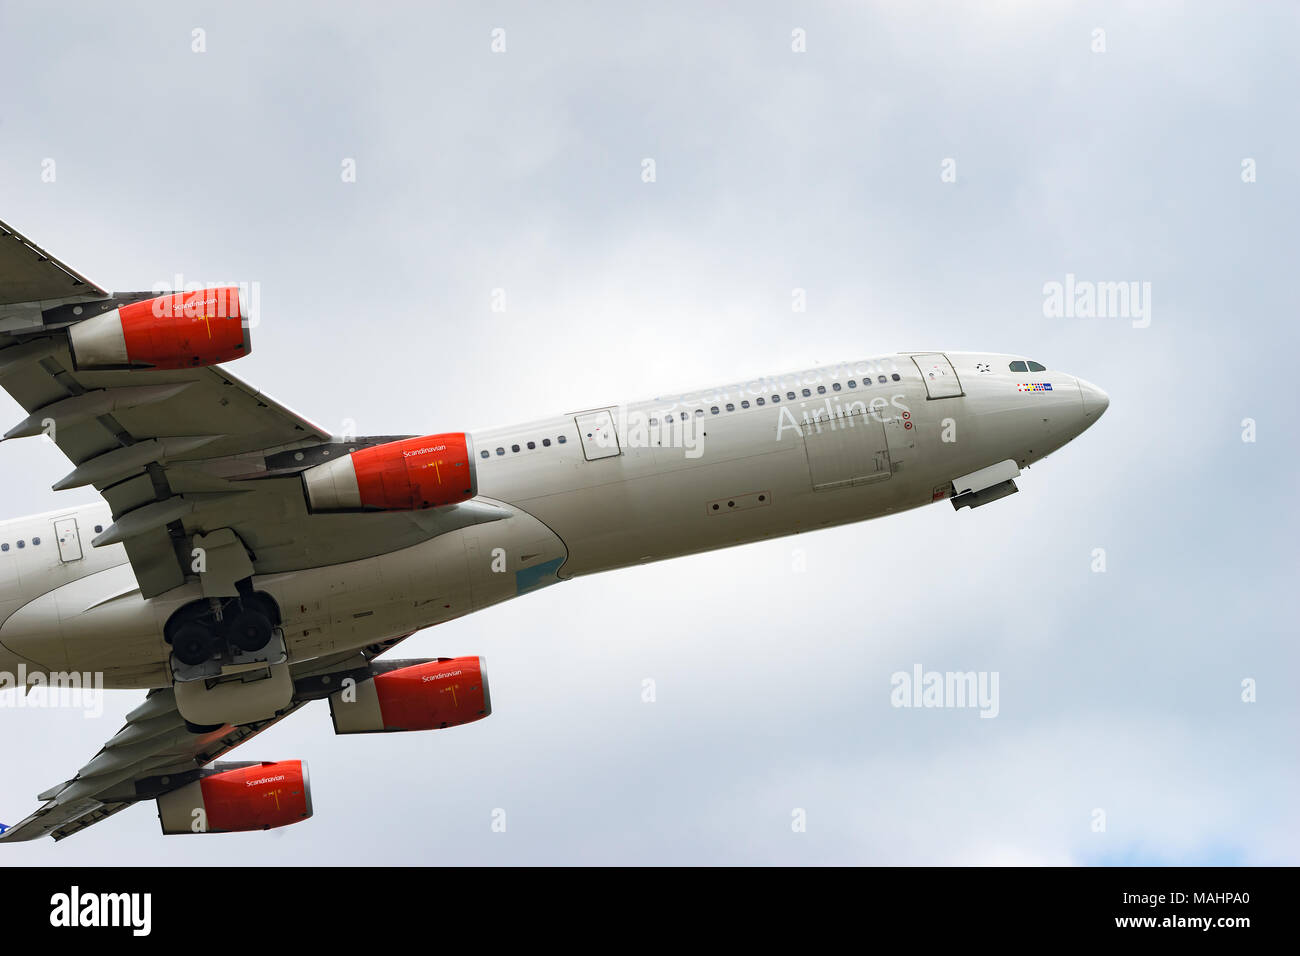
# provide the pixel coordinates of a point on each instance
(776, 171)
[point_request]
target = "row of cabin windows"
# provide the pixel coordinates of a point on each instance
(546, 443)
(37, 541)
(789, 397)
(730, 406)
(1027, 367)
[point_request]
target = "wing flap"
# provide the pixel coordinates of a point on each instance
(30, 274)
(168, 760)
(112, 780)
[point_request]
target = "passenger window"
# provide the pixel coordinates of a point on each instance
(714, 409)
(790, 396)
(4, 547)
(501, 451)
(21, 545)
(546, 443)
(1018, 367)
(483, 453)
(836, 386)
(561, 439)
(776, 399)
(532, 445)
(896, 377)
(746, 404)
(100, 527)
(699, 413)
(35, 542)
(1035, 367)
(730, 407)
(759, 401)
(852, 384)
(821, 389)
(806, 393)
(882, 380)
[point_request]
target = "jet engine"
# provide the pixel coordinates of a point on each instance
(406, 475)
(233, 797)
(414, 695)
(180, 330)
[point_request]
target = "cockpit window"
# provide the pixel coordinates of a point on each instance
(1018, 367)
(1035, 367)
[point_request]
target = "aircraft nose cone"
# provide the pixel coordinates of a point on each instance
(1095, 401)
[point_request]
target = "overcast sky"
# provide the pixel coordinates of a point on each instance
(1119, 691)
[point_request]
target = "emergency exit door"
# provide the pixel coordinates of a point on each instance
(596, 430)
(65, 532)
(940, 377)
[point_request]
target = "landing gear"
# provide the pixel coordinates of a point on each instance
(250, 630)
(229, 662)
(202, 728)
(207, 630)
(193, 644)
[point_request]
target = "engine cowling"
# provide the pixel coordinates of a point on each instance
(426, 695)
(406, 475)
(232, 799)
(179, 330)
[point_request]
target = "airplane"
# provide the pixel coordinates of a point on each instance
(245, 561)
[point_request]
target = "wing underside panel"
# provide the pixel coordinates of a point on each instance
(155, 753)
(30, 274)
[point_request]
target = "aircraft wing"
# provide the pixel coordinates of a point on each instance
(154, 753)
(29, 274)
(180, 453)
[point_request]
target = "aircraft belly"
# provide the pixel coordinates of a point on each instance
(97, 624)
(101, 624)
(327, 610)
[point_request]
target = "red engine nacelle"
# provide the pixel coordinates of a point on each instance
(424, 695)
(182, 330)
(402, 475)
(258, 796)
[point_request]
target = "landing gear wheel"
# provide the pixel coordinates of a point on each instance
(250, 630)
(202, 728)
(193, 644)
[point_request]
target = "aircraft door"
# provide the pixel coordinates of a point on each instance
(940, 377)
(65, 532)
(596, 430)
(848, 450)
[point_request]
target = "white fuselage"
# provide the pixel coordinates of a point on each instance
(753, 463)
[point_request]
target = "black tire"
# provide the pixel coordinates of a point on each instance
(193, 644)
(202, 728)
(250, 630)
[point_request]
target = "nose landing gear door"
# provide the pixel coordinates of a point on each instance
(940, 377)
